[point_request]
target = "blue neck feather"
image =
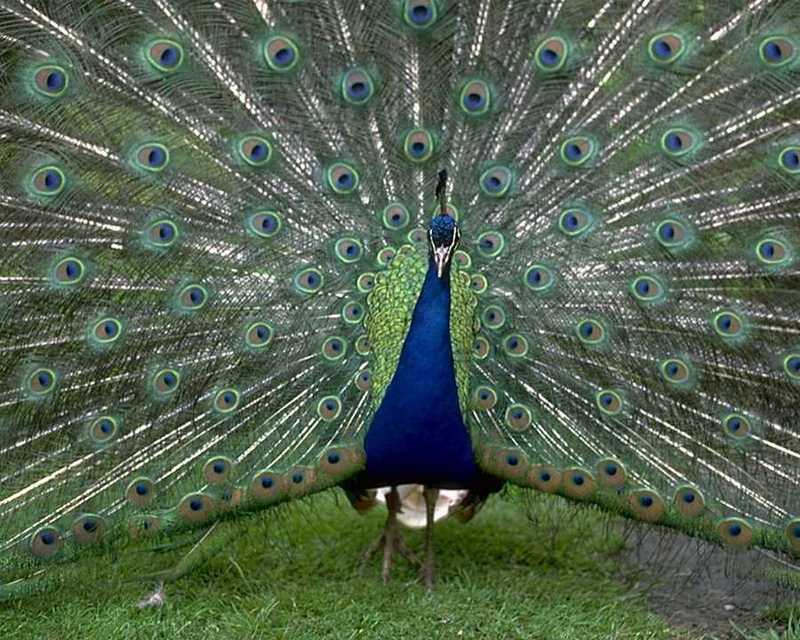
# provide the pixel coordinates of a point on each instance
(417, 434)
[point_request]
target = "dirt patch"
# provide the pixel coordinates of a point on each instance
(698, 587)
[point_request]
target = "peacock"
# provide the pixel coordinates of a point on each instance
(251, 250)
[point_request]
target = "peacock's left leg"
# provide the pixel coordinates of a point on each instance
(390, 540)
(431, 496)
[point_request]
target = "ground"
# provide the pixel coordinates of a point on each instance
(527, 568)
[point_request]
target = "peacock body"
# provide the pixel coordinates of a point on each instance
(228, 278)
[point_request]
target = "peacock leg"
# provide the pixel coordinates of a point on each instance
(431, 496)
(390, 539)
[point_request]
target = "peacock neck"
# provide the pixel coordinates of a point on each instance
(417, 434)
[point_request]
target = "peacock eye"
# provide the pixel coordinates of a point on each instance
(258, 335)
(590, 331)
(609, 401)
(353, 312)
(479, 283)
(539, 278)
(480, 348)
(675, 370)
(575, 221)
(475, 98)
(728, 324)
(491, 244)
(161, 234)
(666, 48)
(140, 491)
(88, 528)
(737, 426)
(578, 150)
(334, 348)
(51, 80)
(357, 86)
(551, 55)
(106, 330)
(164, 55)
(777, 51)
(362, 345)
(672, 234)
(791, 366)
(264, 224)
(385, 256)
(166, 382)
(152, 157)
(647, 289)
(493, 317)
(348, 250)
(255, 150)
(518, 417)
(41, 381)
(103, 429)
(48, 181)
(46, 542)
(678, 142)
(68, 271)
(484, 398)
(420, 14)
(515, 345)
(281, 54)
(789, 159)
(418, 145)
(363, 380)
(329, 408)
(496, 182)
(773, 252)
(366, 282)
(395, 216)
(342, 178)
(217, 470)
(192, 297)
(308, 280)
(226, 400)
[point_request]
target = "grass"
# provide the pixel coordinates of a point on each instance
(292, 574)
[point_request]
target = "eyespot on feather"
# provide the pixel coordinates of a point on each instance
(164, 55)
(51, 80)
(689, 501)
(281, 53)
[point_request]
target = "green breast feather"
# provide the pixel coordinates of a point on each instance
(390, 308)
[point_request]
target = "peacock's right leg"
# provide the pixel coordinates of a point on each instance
(390, 540)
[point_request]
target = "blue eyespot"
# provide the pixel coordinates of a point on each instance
(51, 80)
(420, 14)
(496, 182)
(281, 54)
(672, 234)
(48, 181)
(678, 142)
(777, 51)
(551, 54)
(789, 159)
(165, 56)
(152, 157)
(475, 98)
(666, 48)
(357, 86)
(578, 150)
(590, 331)
(791, 366)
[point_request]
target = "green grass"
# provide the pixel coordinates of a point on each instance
(293, 574)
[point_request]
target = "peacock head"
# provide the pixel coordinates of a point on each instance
(443, 235)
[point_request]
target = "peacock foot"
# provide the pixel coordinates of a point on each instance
(390, 541)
